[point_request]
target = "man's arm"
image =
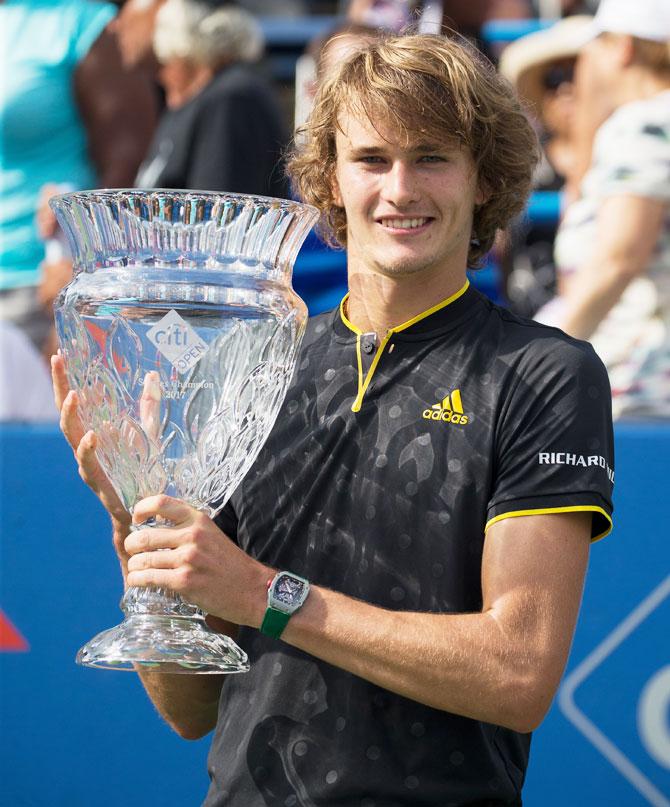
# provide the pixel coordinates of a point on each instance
(628, 228)
(502, 665)
(188, 703)
(119, 109)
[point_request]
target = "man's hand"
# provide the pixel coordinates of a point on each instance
(197, 561)
(83, 444)
(187, 702)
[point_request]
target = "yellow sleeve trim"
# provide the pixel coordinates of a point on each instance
(580, 508)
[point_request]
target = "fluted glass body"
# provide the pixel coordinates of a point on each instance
(180, 331)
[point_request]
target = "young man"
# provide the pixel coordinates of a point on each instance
(437, 473)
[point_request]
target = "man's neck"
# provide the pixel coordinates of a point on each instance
(378, 303)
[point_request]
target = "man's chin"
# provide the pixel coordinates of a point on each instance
(403, 267)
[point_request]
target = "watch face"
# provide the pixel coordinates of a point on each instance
(288, 590)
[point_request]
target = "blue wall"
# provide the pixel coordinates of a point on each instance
(77, 737)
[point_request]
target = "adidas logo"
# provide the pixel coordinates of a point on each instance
(449, 411)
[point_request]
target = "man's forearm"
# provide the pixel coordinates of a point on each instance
(627, 230)
(590, 297)
(501, 665)
(463, 663)
(188, 703)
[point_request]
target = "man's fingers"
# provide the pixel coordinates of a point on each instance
(88, 462)
(94, 476)
(153, 560)
(166, 507)
(150, 539)
(160, 578)
(70, 423)
(66, 402)
(59, 378)
(150, 405)
(83, 443)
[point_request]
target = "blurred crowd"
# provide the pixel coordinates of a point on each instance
(182, 94)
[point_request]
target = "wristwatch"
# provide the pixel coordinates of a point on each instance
(286, 593)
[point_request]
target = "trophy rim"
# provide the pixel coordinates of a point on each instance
(105, 194)
(110, 227)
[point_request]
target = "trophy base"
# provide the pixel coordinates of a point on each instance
(164, 644)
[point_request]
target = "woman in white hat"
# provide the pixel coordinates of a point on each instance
(613, 246)
(541, 68)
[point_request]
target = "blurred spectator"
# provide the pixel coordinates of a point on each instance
(434, 16)
(223, 130)
(387, 15)
(541, 67)
(613, 245)
(555, 9)
(134, 31)
(69, 114)
(25, 386)
(278, 8)
(469, 16)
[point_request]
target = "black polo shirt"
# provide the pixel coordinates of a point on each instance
(379, 479)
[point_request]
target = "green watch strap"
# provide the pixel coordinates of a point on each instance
(274, 622)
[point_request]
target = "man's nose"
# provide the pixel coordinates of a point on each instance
(400, 186)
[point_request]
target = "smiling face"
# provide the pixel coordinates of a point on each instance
(409, 206)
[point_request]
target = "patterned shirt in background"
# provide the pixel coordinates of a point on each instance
(631, 156)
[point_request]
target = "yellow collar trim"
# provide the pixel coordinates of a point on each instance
(409, 322)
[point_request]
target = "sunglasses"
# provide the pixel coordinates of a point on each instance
(557, 75)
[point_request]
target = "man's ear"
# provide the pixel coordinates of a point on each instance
(335, 190)
(483, 194)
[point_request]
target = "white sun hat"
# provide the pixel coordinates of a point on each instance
(525, 61)
(645, 19)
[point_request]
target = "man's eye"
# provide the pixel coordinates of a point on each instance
(372, 159)
(433, 158)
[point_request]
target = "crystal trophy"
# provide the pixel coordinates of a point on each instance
(180, 331)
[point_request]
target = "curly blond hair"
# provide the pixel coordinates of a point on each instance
(433, 87)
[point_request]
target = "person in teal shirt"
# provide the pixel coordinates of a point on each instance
(70, 115)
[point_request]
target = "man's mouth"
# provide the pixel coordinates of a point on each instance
(404, 223)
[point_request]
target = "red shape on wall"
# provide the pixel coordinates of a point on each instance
(11, 641)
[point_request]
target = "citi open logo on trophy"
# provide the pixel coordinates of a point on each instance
(180, 333)
(177, 341)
